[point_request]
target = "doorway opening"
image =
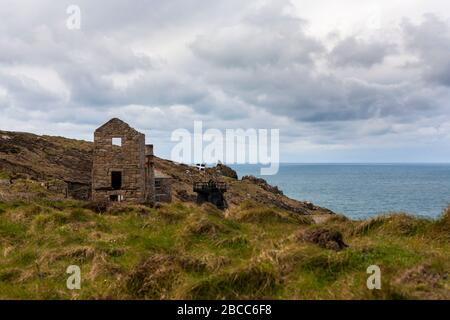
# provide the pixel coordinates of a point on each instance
(116, 180)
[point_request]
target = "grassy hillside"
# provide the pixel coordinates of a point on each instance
(184, 251)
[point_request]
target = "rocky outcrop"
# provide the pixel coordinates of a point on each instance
(223, 170)
(263, 184)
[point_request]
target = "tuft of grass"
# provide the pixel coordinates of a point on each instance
(10, 275)
(211, 209)
(255, 281)
(4, 175)
(174, 212)
(399, 223)
(59, 204)
(28, 186)
(78, 214)
(251, 213)
(201, 226)
(155, 276)
(11, 231)
(440, 229)
(232, 242)
(324, 237)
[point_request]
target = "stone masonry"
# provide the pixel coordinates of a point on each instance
(122, 165)
(163, 187)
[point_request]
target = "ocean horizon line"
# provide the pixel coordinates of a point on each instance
(345, 163)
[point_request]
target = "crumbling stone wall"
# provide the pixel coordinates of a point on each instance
(129, 159)
(163, 187)
(150, 172)
(58, 186)
(79, 191)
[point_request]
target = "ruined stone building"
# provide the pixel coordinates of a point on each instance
(123, 168)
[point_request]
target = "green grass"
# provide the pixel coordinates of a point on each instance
(183, 251)
(4, 175)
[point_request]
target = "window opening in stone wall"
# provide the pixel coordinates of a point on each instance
(117, 142)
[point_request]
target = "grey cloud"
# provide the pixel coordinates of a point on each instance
(430, 41)
(287, 85)
(352, 52)
(267, 37)
(26, 93)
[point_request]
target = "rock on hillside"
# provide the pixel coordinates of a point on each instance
(47, 158)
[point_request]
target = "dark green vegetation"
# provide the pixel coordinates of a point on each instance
(184, 251)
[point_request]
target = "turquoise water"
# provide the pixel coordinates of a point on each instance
(365, 190)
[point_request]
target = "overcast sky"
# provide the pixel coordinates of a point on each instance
(344, 81)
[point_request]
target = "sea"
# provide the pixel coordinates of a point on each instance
(360, 191)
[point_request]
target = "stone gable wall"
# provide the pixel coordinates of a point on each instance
(129, 159)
